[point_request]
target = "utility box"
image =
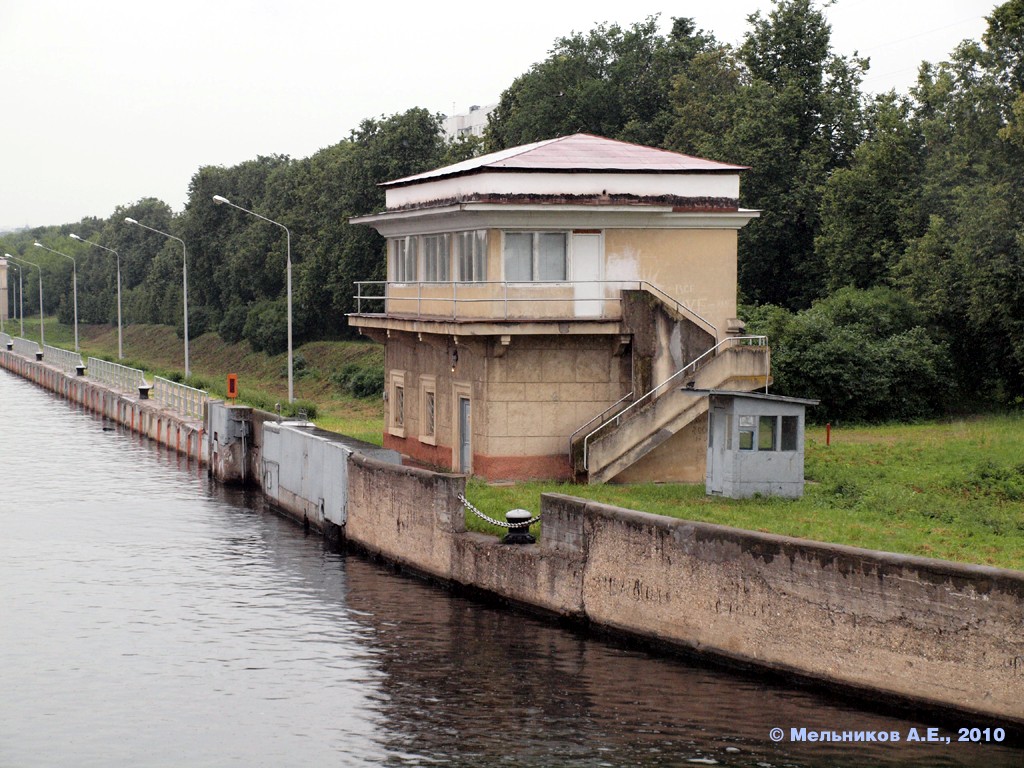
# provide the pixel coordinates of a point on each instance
(755, 445)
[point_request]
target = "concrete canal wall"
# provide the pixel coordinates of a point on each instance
(901, 628)
(142, 416)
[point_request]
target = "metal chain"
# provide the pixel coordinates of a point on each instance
(491, 520)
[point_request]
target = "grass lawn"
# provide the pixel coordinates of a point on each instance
(952, 489)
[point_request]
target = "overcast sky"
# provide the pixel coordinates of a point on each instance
(109, 101)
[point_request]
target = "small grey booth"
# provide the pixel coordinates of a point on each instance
(755, 445)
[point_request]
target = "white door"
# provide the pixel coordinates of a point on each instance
(587, 272)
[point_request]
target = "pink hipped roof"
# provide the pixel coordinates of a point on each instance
(579, 153)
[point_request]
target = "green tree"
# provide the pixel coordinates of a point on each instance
(796, 119)
(966, 267)
(867, 209)
(611, 81)
(863, 354)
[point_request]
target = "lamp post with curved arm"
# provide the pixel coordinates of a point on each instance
(21, 298)
(120, 347)
(220, 200)
(42, 327)
(74, 272)
(184, 279)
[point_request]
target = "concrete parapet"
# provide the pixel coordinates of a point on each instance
(944, 634)
(147, 418)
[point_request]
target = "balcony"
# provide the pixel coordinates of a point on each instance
(507, 302)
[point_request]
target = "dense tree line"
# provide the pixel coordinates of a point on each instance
(886, 264)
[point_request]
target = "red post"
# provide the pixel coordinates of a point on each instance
(828, 433)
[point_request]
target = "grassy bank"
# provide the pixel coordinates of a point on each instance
(262, 379)
(952, 490)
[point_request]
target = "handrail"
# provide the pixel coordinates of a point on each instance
(26, 347)
(655, 291)
(759, 341)
(601, 415)
(180, 397)
(65, 359)
(120, 377)
(505, 299)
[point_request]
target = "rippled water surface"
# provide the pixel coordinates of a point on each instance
(149, 618)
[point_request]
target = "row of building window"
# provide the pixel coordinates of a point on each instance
(462, 256)
(767, 433)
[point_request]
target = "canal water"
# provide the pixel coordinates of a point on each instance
(151, 618)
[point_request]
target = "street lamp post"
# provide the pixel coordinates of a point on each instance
(42, 325)
(74, 273)
(184, 280)
(220, 200)
(21, 299)
(120, 347)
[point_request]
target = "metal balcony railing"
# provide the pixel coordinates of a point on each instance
(506, 300)
(119, 377)
(182, 398)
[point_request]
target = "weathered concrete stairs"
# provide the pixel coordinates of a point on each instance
(639, 429)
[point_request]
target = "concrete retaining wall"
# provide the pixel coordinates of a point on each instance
(908, 628)
(145, 417)
(941, 633)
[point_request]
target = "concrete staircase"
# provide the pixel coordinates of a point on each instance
(737, 364)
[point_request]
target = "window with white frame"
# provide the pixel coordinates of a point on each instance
(436, 258)
(403, 259)
(396, 404)
(428, 410)
(471, 255)
(535, 256)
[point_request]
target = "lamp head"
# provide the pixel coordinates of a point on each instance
(38, 245)
(73, 236)
(130, 221)
(220, 200)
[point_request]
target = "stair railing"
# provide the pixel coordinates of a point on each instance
(692, 366)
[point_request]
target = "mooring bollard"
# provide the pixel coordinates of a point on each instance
(39, 357)
(144, 391)
(519, 531)
(80, 370)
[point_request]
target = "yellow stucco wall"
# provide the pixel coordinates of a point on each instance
(694, 266)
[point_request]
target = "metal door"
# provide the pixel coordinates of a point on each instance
(717, 441)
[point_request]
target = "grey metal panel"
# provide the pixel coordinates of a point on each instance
(336, 483)
(271, 443)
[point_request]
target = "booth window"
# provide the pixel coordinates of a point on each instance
(766, 433)
(747, 424)
(790, 428)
